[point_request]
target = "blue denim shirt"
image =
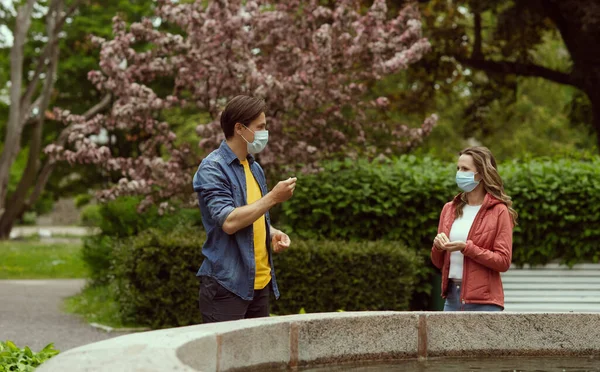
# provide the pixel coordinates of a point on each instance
(220, 183)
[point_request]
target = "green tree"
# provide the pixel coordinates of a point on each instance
(500, 38)
(49, 58)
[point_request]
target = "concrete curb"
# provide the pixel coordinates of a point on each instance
(335, 338)
(109, 329)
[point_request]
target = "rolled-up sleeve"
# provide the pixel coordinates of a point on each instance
(213, 189)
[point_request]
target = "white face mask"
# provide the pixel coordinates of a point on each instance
(261, 138)
(466, 181)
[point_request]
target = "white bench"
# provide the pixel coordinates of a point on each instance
(552, 288)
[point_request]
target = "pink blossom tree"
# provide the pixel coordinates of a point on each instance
(312, 64)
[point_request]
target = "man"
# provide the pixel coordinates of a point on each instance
(237, 273)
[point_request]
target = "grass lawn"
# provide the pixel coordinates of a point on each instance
(97, 305)
(33, 259)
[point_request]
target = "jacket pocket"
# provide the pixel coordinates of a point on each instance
(478, 283)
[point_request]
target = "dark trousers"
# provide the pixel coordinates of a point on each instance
(218, 304)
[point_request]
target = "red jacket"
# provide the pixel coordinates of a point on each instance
(488, 252)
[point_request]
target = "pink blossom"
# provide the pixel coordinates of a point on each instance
(310, 63)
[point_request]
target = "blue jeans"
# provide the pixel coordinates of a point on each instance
(453, 301)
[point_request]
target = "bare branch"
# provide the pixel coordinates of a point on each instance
(98, 107)
(51, 24)
(49, 166)
(50, 46)
(522, 69)
(477, 50)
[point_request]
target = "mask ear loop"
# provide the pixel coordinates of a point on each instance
(243, 135)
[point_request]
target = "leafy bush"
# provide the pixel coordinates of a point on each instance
(156, 277)
(91, 215)
(45, 203)
(120, 219)
(324, 276)
(29, 218)
(82, 200)
(558, 202)
(559, 210)
(97, 254)
(13, 358)
(361, 200)
(155, 274)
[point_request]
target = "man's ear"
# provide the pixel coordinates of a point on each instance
(238, 128)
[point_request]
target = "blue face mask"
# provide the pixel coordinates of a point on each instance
(261, 138)
(466, 181)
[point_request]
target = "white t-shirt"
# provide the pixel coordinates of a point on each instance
(460, 232)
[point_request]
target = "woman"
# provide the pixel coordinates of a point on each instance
(474, 241)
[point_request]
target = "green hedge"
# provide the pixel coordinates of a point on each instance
(155, 275)
(559, 210)
(324, 276)
(97, 254)
(120, 219)
(558, 202)
(360, 200)
(90, 215)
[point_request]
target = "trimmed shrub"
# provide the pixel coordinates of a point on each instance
(29, 218)
(91, 215)
(82, 200)
(155, 274)
(324, 276)
(559, 210)
(97, 252)
(558, 202)
(361, 200)
(120, 219)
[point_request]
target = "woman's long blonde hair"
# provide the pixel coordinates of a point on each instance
(485, 164)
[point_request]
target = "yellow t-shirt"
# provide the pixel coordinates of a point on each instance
(261, 257)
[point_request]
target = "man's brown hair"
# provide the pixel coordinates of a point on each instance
(241, 109)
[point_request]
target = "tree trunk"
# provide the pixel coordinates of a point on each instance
(595, 102)
(43, 176)
(5, 232)
(14, 127)
(17, 205)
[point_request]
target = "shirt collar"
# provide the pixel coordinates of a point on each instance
(230, 156)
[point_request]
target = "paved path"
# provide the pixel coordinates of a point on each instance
(30, 314)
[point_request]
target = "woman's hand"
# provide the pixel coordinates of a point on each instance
(455, 246)
(440, 240)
